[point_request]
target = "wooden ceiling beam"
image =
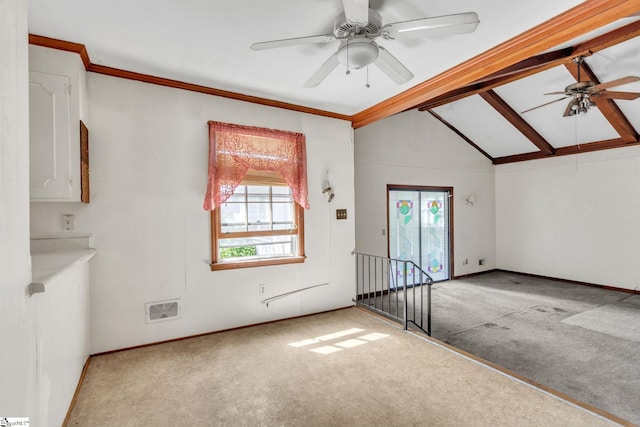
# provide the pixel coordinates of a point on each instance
(498, 80)
(537, 64)
(587, 16)
(607, 107)
(566, 151)
(520, 158)
(534, 64)
(607, 40)
(517, 121)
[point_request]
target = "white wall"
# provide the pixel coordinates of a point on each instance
(17, 338)
(62, 333)
(413, 148)
(148, 154)
(573, 217)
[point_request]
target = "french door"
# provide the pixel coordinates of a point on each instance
(419, 224)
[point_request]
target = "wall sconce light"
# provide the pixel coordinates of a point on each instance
(329, 190)
(470, 200)
(327, 187)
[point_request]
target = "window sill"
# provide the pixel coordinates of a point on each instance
(256, 263)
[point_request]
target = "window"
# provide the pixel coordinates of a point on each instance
(257, 192)
(258, 225)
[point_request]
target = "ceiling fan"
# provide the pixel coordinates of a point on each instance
(357, 28)
(581, 93)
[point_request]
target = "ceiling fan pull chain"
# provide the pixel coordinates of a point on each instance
(348, 70)
(367, 85)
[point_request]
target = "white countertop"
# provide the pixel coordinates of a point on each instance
(48, 267)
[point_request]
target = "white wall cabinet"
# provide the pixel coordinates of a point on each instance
(57, 88)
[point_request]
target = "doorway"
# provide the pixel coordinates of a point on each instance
(419, 220)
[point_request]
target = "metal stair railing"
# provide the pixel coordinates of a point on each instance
(383, 285)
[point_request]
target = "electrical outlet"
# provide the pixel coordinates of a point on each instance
(465, 261)
(262, 288)
(68, 222)
(481, 261)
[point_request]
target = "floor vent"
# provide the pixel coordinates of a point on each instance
(162, 310)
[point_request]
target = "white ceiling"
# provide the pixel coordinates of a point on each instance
(206, 42)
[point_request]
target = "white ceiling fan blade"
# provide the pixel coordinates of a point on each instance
(392, 67)
(325, 38)
(437, 26)
(324, 70)
(356, 11)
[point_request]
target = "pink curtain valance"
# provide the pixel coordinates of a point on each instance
(234, 149)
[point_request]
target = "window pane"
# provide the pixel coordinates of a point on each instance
(233, 217)
(236, 198)
(280, 189)
(259, 216)
(258, 193)
(257, 247)
(283, 212)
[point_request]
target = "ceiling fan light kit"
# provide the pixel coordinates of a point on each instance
(357, 28)
(357, 53)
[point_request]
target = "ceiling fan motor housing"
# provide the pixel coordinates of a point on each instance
(357, 49)
(344, 29)
(579, 87)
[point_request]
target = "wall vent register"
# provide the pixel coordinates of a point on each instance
(163, 310)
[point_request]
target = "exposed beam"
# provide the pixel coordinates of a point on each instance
(534, 63)
(585, 17)
(537, 64)
(520, 158)
(593, 146)
(566, 151)
(607, 107)
(607, 40)
(517, 121)
(477, 88)
(461, 135)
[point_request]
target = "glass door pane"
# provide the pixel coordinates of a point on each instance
(404, 232)
(419, 232)
(435, 234)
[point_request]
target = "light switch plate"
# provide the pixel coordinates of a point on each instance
(341, 214)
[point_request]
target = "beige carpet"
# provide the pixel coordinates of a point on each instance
(344, 368)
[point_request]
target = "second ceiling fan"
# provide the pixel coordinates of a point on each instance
(357, 28)
(583, 93)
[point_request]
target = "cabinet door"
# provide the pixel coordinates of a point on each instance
(50, 137)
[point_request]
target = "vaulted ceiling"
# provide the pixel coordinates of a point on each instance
(492, 113)
(478, 84)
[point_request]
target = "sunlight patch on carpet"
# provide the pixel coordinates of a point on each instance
(346, 344)
(340, 334)
(350, 343)
(327, 349)
(374, 336)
